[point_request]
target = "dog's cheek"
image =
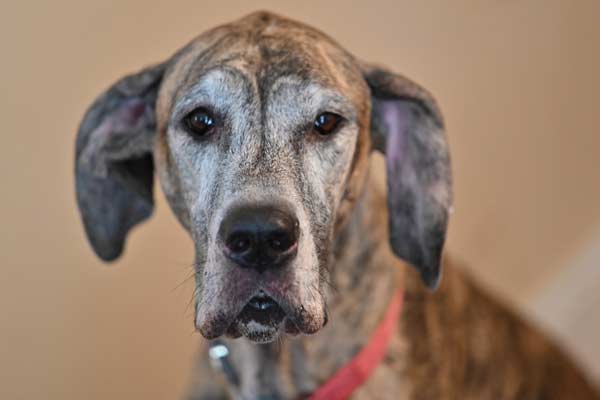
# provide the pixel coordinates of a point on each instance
(355, 179)
(171, 185)
(338, 167)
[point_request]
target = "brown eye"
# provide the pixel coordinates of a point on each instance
(199, 122)
(327, 123)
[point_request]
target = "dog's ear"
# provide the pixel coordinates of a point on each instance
(113, 160)
(407, 127)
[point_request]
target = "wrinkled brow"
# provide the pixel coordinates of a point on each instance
(307, 96)
(214, 84)
(217, 85)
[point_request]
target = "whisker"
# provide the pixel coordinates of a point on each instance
(194, 295)
(191, 275)
(327, 281)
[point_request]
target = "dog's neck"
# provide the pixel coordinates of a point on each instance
(361, 284)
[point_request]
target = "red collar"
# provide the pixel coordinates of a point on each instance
(352, 375)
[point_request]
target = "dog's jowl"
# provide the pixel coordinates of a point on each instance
(261, 133)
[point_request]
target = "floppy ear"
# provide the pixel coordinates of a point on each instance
(113, 160)
(407, 127)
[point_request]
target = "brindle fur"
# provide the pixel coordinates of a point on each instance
(454, 343)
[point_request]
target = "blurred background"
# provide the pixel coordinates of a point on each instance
(516, 80)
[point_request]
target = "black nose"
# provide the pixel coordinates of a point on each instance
(259, 237)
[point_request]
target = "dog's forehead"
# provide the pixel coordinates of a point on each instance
(264, 48)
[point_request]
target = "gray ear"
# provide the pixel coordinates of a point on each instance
(113, 160)
(408, 128)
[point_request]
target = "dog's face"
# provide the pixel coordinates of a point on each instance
(260, 132)
(255, 154)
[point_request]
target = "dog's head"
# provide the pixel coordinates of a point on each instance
(260, 132)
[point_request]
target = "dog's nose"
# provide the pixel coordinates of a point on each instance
(259, 237)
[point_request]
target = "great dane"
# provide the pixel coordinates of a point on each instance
(260, 132)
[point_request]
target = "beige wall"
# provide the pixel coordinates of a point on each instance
(516, 80)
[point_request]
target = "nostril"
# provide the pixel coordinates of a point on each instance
(281, 241)
(239, 242)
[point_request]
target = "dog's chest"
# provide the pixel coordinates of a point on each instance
(388, 380)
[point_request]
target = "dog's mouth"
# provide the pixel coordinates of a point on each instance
(259, 308)
(259, 320)
(263, 310)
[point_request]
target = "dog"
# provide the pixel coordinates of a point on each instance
(261, 133)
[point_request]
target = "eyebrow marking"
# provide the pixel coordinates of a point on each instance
(210, 86)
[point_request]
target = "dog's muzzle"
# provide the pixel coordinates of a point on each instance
(260, 242)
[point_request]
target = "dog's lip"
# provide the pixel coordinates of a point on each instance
(260, 319)
(262, 306)
(214, 324)
(282, 315)
(292, 318)
(262, 302)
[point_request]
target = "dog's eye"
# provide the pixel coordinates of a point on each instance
(327, 123)
(199, 122)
